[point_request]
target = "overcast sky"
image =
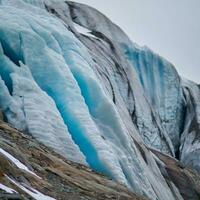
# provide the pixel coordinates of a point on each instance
(169, 27)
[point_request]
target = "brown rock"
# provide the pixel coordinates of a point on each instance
(60, 178)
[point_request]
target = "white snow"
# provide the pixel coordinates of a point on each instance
(17, 162)
(83, 30)
(7, 189)
(31, 191)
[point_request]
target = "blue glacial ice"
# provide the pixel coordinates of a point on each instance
(162, 87)
(32, 110)
(190, 139)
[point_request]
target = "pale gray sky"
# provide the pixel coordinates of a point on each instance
(169, 27)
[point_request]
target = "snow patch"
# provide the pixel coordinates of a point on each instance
(7, 189)
(17, 162)
(31, 191)
(83, 30)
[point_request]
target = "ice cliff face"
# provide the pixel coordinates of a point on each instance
(75, 82)
(162, 87)
(190, 138)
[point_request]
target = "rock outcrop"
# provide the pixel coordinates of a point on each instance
(50, 174)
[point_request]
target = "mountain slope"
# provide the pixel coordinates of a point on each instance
(53, 176)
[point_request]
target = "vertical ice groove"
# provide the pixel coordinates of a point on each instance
(31, 103)
(162, 87)
(101, 108)
(10, 108)
(190, 139)
(114, 37)
(60, 84)
(8, 105)
(6, 67)
(42, 117)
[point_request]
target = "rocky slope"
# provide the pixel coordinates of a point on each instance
(75, 82)
(50, 174)
(55, 177)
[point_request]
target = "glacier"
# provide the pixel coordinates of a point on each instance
(73, 80)
(156, 76)
(190, 139)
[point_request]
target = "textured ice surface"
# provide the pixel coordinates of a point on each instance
(190, 139)
(25, 105)
(157, 76)
(121, 77)
(162, 87)
(43, 120)
(74, 81)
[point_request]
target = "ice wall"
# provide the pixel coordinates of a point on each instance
(162, 87)
(190, 139)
